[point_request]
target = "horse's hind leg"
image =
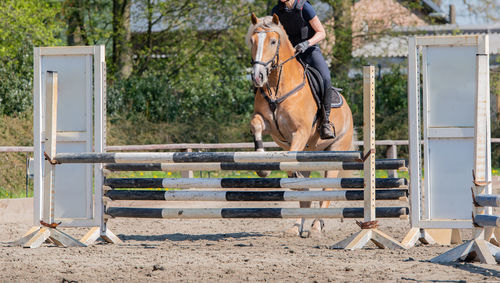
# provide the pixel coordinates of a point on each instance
(298, 228)
(318, 224)
(258, 127)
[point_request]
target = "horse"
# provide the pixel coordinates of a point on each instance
(285, 108)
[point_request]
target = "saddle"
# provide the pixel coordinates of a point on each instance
(316, 83)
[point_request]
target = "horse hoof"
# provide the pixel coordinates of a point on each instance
(317, 228)
(263, 174)
(292, 232)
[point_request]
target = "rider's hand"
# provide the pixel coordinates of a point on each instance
(302, 47)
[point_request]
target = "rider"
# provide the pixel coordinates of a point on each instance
(305, 30)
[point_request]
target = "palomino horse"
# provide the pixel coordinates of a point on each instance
(284, 105)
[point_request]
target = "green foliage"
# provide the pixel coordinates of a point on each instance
(392, 105)
(88, 20)
(341, 52)
(214, 88)
(23, 25)
(391, 117)
(201, 80)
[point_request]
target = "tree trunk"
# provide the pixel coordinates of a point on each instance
(122, 51)
(342, 50)
(75, 34)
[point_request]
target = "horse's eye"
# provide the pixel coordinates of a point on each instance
(273, 41)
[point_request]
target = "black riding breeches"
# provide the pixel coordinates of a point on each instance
(315, 59)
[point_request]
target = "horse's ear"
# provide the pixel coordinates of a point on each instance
(255, 20)
(276, 19)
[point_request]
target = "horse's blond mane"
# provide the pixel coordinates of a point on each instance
(265, 23)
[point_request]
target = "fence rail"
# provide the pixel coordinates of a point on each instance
(392, 151)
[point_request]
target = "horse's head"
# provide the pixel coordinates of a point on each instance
(265, 36)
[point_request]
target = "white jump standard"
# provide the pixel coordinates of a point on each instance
(480, 248)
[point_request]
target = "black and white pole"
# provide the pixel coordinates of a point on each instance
(194, 157)
(217, 213)
(251, 183)
(343, 195)
(383, 164)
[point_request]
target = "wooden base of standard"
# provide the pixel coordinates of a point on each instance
(95, 233)
(432, 236)
(361, 238)
(475, 250)
(38, 235)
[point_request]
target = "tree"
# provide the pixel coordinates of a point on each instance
(74, 13)
(122, 52)
(342, 49)
(23, 25)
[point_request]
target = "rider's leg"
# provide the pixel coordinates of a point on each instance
(314, 58)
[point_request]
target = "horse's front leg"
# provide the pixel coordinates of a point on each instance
(258, 126)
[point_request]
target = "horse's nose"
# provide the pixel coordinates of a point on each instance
(258, 77)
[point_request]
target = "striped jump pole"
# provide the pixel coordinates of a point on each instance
(382, 164)
(344, 195)
(191, 157)
(216, 213)
(487, 200)
(283, 183)
(484, 220)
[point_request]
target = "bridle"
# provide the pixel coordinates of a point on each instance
(274, 100)
(272, 60)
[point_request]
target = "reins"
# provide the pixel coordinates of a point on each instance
(274, 102)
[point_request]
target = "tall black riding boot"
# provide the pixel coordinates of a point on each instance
(326, 131)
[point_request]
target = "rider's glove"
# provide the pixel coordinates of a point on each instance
(302, 47)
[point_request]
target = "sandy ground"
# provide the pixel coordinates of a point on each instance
(229, 251)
